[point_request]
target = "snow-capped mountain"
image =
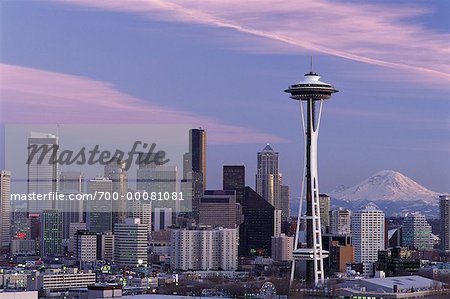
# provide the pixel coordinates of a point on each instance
(392, 191)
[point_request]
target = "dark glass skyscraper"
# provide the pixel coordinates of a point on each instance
(234, 179)
(255, 233)
(194, 169)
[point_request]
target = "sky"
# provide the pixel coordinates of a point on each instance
(223, 66)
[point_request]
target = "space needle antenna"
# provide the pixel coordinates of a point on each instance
(311, 93)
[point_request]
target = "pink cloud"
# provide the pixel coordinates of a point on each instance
(373, 34)
(37, 96)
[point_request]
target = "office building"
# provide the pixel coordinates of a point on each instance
(285, 198)
(142, 210)
(130, 243)
(58, 280)
(159, 180)
(71, 182)
(367, 226)
(99, 211)
(234, 179)
(42, 173)
(73, 228)
(116, 172)
(416, 232)
(5, 209)
(51, 233)
(105, 247)
(194, 169)
(162, 219)
(282, 248)
(324, 204)
(340, 221)
(23, 247)
(268, 176)
(204, 249)
(444, 209)
(277, 216)
(86, 246)
(255, 233)
(340, 256)
(218, 208)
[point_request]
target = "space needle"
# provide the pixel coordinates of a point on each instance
(311, 93)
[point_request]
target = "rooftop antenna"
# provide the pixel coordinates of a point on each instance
(311, 65)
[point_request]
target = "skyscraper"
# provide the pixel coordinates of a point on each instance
(99, 211)
(285, 203)
(116, 172)
(71, 182)
(367, 226)
(311, 91)
(444, 208)
(142, 210)
(130, 243)
(268, 176)
(234, 179)
(340, 221)
(194, 169)
(162, 219)
(324, 203)
(42, 172)
(255, 233)
(5, 209)
(416, 232)
(51, 232)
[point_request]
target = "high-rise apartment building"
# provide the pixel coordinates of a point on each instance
(51, 233)
(282, 248)
(268, 176)
(416, 232)
(99, 211)
(444, 208)
(130, 243)
(340, 221)
(367, 226)
(42, 176)
(5, 209)
(234, 179)
(204, 249)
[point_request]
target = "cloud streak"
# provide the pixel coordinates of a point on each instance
(382, 35)
(37, 96)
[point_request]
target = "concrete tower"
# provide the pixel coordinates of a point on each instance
(311, 93)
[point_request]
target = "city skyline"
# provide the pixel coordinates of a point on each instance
(134, 61)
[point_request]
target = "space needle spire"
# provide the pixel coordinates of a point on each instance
(311, 93)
